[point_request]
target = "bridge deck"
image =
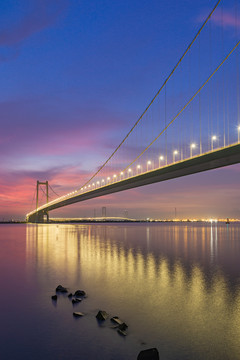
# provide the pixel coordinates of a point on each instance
(208, 161)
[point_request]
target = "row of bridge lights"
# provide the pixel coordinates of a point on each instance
(149, 165)
(121, 175)
(139, 167)
(139, 170)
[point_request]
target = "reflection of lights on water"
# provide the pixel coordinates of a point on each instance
(212, 221)
(213, 240)
(148, 236)
(98, 254)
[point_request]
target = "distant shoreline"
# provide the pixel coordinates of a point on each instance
(103, 221)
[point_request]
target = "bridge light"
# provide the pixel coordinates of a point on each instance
(138, 167)
(192, 146)
(159, 159)
(174, 154)
(108, 179)
(213, 139)
(129, 172)
(81, 189)
(148, 163)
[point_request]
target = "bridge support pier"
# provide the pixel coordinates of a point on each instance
(42, 215)
(39, 217)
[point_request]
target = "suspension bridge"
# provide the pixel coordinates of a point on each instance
(191, 125)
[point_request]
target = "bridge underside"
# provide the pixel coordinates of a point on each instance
(213, 160)
(39, 217)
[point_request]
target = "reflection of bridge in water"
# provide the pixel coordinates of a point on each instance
(143, 248)
(165, 261)
(191, 125)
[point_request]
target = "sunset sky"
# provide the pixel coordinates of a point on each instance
(75, 76)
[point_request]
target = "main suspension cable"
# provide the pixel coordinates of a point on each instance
(184, 107)
(164, 83)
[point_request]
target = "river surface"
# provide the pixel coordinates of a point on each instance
(177, 286)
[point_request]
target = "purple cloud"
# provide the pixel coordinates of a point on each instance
(76, 130)
(40, 15)
(226, 18)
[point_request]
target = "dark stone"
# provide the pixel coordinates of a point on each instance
(78, 314)
(76, 301)
(62, 289)
(123, 327)
(149, 354)
(79, 293)
(70, 295)
(116, 320)
(102, 315)
(121, 332)
(54, 297)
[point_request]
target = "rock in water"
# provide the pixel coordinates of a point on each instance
(70, 295)
(116, 320)
(54, 297)
(78, 314)
(79, 293)
(76, 301)
(121, 332)
(102, 315)
(149, 354)
(62, 289)
(123, 327)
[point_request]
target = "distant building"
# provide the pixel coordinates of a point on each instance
(104, 211)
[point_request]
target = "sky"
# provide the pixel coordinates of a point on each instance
(75, 76)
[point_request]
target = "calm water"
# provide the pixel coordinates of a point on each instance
(176, 286)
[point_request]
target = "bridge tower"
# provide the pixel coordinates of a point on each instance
(41, 215)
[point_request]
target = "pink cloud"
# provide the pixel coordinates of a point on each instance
(84, 128)
(226, 18)
(17, 188)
